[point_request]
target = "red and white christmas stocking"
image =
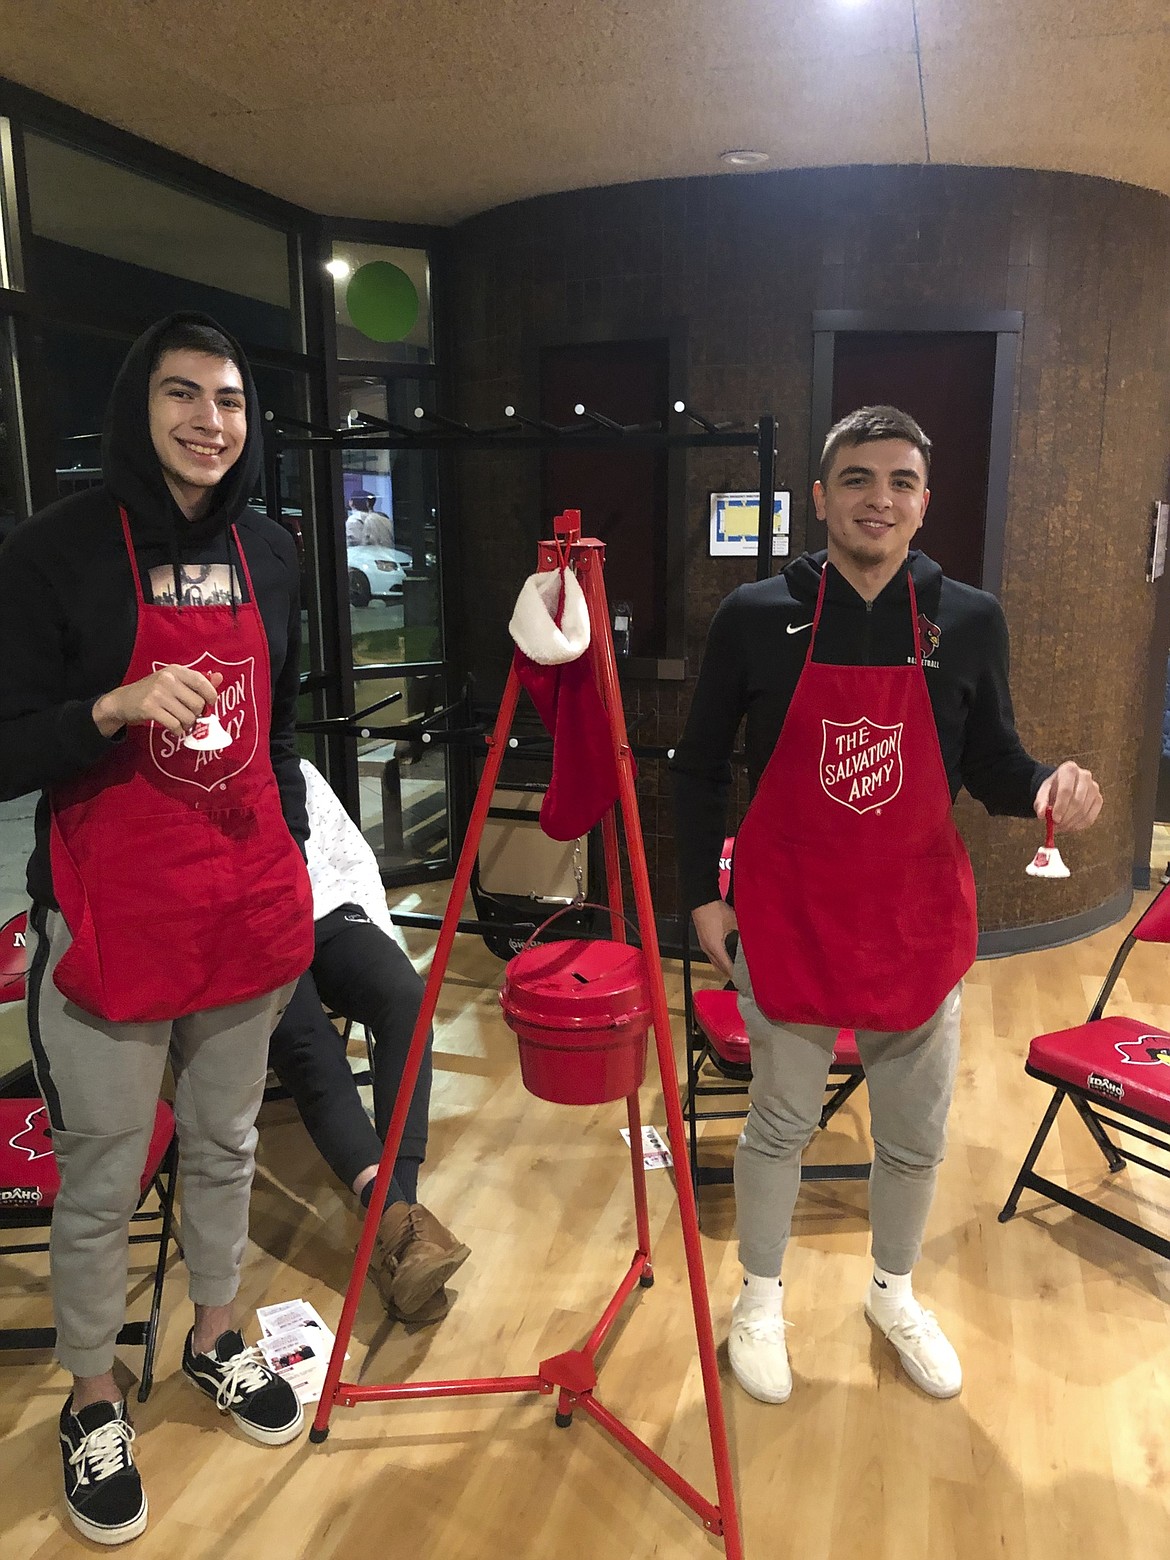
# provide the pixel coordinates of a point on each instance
(550, 626)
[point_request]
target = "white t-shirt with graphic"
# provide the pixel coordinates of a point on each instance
(342, 868)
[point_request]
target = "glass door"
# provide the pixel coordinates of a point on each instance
(16, 817)
(393, 583)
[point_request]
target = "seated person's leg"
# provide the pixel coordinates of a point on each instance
(414, 1255)
(365, 975)
(308, 1056)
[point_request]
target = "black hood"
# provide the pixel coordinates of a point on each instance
(803, 575)
(131, 467)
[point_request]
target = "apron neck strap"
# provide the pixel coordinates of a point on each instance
(816, 622)
(243, 565)
(129, 540)
(914, 620)
(821, 602)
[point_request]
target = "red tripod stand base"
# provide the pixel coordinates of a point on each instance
(572, 1375)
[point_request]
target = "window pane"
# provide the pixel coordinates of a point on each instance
(382, 299)
(80, 369)
(283, 390)
(403, 786)
(11, 270)
(117, 243)
(12, 498)
(391, 532)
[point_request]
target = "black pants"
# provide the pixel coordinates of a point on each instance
(359, 971)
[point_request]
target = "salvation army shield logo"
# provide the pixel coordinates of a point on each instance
(861, 763)
(211, 769)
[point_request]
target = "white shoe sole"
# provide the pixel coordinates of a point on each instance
(280, 1437)
(110, 1536)
(922, 1382)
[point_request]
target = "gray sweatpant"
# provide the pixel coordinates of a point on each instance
(100, 1083)
(910, 1075)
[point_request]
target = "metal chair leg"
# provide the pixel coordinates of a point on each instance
(1114, 1159)
(169, 1167)
(1009, 1207)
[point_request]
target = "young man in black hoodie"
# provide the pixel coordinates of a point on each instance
(150, 633)
(873, 688)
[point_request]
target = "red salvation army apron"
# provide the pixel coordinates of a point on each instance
(174, 869)
(853, 890)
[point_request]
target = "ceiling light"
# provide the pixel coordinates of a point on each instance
(743, 157)
(338, 268)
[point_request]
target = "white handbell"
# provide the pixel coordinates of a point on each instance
(1046, 863)
(207, 735)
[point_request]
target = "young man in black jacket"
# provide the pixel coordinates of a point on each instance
(150, 633)
(873, 688)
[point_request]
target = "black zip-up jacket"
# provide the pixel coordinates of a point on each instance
(69, 613)
(755, 652)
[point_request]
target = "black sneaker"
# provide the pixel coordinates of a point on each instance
(102, 1488)
(242, 1385)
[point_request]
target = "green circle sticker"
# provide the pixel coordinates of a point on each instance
(382, 301)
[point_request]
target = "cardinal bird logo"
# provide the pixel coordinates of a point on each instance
(33, 1138)
(1157, 1055)
(931, 634)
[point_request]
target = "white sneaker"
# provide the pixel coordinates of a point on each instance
(757, 1350)
(926, 1354)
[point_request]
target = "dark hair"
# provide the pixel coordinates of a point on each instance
(868, 424)
(190, 336)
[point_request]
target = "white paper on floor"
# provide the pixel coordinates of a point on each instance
(296, 1344)
(655, 1151)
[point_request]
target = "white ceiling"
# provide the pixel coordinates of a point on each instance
(431, 111)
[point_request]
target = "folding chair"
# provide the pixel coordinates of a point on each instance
(29, 1184)
(1121, 1062)
(719, 1067)
(15, 1056)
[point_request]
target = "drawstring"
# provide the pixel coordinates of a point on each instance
(175, 567)
(231, 571)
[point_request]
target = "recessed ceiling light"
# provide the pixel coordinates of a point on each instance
(742, 157)
(338, 268)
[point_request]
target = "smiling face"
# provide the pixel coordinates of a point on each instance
(872, 501)
(198, 424)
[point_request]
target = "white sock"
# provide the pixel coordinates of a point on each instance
(762, 1291)
(892, 1287)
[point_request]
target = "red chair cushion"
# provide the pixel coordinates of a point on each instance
(13, 958)
(1118, 1060)
(845, 1052)
(717, 1015)
(28, 1171)
(1154, 925)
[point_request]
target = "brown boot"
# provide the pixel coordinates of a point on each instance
(432, 1310)
(413, 1257)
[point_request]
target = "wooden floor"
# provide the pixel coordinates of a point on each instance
(1058, 1445)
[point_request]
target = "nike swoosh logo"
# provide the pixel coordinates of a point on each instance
(797, 628)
